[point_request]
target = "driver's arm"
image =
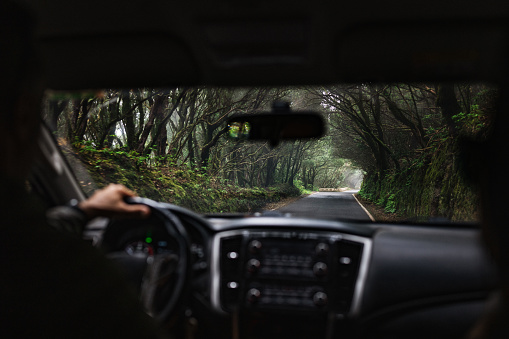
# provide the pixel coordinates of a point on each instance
(106, 202)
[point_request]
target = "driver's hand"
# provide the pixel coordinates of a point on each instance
(109, 202)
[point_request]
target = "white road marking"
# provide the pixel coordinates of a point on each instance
(364, 208)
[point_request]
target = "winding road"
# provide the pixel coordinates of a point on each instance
(328, 205)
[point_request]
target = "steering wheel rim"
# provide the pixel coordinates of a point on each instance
(182, 268)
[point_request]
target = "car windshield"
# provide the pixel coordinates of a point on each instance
(394, 151)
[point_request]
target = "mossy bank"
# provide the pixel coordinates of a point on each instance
(168, 182)
(432, 187)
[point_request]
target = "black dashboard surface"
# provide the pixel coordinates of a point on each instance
(389, 279)
(425, 282)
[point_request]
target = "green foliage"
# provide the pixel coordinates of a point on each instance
(433, 186)
(431, 183)
(473, 122)
(284, 190)
(300, 186)
(390, 206)
(181, 185)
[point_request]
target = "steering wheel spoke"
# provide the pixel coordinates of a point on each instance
(160, 277)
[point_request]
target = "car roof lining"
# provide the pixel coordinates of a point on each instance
(104, 61)
(423, 51)
(270, 44)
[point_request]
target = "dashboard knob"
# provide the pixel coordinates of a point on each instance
(253, 265)
(322, 248)
(320, 299)
(320, 269)
(255, 246)
(253, 295)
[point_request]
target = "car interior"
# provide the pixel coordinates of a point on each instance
(269, 276)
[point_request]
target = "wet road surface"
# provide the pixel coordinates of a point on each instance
(327, 205)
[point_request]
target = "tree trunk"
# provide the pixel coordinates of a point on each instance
(157, 109)
(446, 100)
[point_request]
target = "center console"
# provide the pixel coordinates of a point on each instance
(288, 271)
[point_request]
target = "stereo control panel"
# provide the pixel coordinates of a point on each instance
(282, 270)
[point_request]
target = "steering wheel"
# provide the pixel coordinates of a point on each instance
(162, 278)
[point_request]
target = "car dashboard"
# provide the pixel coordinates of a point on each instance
(268, 277)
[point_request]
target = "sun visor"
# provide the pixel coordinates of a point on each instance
(117, 61)
(428, 51)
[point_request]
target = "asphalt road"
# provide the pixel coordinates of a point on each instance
(327, 205)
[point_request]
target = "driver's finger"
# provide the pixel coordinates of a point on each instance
(137, 210)
(123, 190)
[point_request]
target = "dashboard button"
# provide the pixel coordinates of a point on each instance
(233, 285)
(255, 246)
(253, 265)
(322, 248)
(232, 255)
(253, 295)
(345, 260)
(320, 269)
(320, 299)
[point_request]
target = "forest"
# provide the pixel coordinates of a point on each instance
(383, 135)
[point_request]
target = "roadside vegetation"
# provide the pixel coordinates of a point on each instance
(434, 179)
(177, 184)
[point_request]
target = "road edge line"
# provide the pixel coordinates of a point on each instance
(364, 208)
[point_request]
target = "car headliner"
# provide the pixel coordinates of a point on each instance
(97, 44)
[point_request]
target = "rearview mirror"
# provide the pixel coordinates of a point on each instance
(276, 126)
